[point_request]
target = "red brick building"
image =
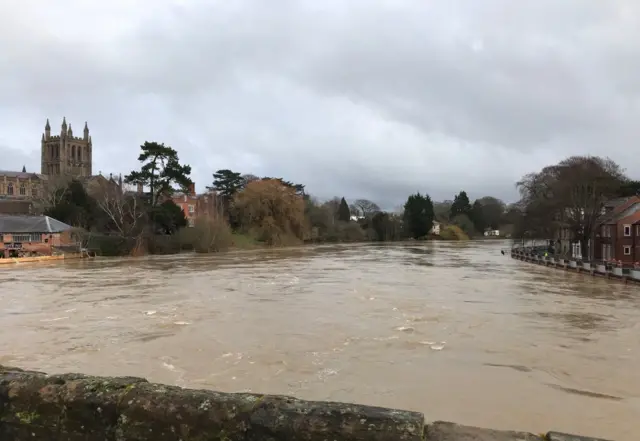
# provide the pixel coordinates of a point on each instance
(32, 235)
(616, 234)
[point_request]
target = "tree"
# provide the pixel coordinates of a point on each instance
(569, 195)
(160, 171)
(461, 205)
(167, 217)
(124, 211)
(418, 215)
(366, 208)
(492, 211)
(74, 206)
(477, 216)
(299, 188)
(344, 214)
(227, 183)
(271, 211)
(629, 188)
(53, 191)
(246, 178)
(465, 224)
(442, 210)
(386, 226)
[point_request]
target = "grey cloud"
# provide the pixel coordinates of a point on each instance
(369, 99)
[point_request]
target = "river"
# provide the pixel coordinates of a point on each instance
(455, 330)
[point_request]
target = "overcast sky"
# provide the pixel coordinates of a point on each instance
(355, 98)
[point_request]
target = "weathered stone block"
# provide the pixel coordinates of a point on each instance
(443, 431)
(77, 407)
(556, 436)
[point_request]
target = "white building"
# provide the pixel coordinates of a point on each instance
(435, 229)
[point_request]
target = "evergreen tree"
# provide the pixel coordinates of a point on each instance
(461, 205)
(74, 206)
(160, 171)
(418, 215)
(227, 183)
(477, 216)
(344, 214)
(167, 217)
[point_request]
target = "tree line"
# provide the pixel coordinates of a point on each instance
(266, 210)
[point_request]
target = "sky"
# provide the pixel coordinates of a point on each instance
(372, 99)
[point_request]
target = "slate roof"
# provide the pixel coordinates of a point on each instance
(31, 224)
(21, 175)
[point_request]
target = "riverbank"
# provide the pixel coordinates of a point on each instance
(38, 259)
(626, 275)
(73, 406)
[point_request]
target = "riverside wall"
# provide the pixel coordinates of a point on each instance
(626, 275)
(74, 407)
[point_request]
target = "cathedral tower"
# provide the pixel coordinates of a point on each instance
(65, 154)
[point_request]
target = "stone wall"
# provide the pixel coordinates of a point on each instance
(73, 407)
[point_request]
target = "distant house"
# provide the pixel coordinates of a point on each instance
(491, 233)
(35, 235)
(435, 229)
(188, 202)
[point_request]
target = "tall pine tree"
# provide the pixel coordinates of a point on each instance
(344, 214)
(461, 205)
(418, 215)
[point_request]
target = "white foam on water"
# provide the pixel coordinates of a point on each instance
(168, 366)
(405, 329)
(54, 319)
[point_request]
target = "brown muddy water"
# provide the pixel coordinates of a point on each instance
(457, 331)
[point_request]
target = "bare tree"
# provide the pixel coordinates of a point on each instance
(53, 191)
(123, 208)
(366, 208)
(570, 195)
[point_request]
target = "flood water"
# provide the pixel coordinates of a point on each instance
(456, 331)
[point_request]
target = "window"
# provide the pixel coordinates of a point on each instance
(10, 189)
(627, 250)
(23, 190)
(34, 192)
(30, 237)
(192, 209)
(627, 230)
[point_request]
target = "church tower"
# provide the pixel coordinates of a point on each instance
(65, 154)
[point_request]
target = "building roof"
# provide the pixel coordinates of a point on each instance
(21, 175)
(617, 208)
(618, 216)
(31, 224)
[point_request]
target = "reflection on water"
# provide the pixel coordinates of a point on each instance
(457, 331)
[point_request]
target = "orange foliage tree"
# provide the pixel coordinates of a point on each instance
(271, 211)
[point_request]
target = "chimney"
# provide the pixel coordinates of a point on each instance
(140, 188)
(192, 189)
